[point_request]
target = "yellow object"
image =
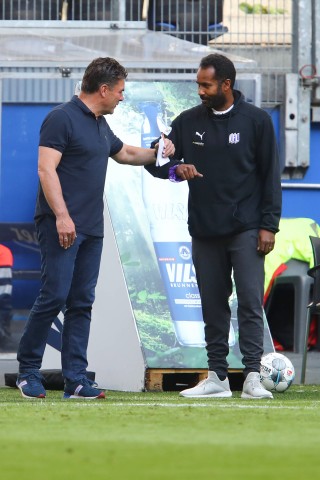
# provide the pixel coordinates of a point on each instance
(292, 242)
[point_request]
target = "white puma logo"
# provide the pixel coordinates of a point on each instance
(200, 134)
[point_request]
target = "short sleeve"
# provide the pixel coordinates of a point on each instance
(55, 130)
(115, 143)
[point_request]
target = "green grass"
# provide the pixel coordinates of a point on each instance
(160, 436)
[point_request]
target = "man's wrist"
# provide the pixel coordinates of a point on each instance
(173, 177)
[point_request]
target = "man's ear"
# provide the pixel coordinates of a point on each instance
(227, 84)
(104, 89)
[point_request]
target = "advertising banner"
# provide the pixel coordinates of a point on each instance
(149, 218)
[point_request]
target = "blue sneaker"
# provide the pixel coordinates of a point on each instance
(93, 383)
(82, 389)
(30, 385)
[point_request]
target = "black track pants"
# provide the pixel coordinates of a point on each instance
(214, 261)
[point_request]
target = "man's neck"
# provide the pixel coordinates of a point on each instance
(223, 112)
(90, 102)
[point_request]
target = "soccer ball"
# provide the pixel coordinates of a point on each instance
(276, 372)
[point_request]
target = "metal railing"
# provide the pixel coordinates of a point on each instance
(75, 10)
(258, 29)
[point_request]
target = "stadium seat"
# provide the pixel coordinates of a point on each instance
(296, 278)
(193, 20)
(313, 307)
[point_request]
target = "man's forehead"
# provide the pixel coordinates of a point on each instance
(206, 75)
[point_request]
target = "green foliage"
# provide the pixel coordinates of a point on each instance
(260, 9)
(153, 303)
(126, 260)
(156, 332)
(172, 97)
(144, 297)
(160, 344)
(178, 97)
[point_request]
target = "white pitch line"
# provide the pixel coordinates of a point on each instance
(211, 405)
(106, 404)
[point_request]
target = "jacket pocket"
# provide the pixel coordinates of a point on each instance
(216, 219)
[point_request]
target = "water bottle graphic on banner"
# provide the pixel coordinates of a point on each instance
(166, 206)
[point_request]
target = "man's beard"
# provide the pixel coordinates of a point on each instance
(216, 101)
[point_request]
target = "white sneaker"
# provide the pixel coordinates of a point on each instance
(252, 387)
(209, 387)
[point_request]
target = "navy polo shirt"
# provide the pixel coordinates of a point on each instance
(86, 143)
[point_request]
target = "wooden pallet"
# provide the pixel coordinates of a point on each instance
(172, 379)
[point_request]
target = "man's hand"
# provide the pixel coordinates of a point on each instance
(187, 172)
(266, 241)
(168, 149)
(66, 230)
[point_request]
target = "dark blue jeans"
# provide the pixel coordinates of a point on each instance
(68, 281)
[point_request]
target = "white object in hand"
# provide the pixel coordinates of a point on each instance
(160, 159)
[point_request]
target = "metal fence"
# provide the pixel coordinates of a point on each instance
(258, 29)
(76, 10)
